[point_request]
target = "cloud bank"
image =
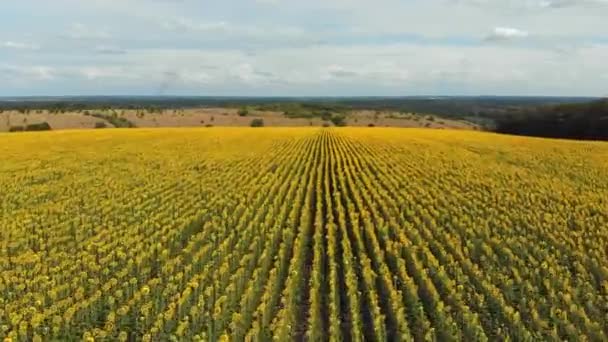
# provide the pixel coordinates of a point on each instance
(330, 47)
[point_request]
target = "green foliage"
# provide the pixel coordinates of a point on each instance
(115, 120)
(43, 126)
(16, 129)
(338, 120)
(244, 111)
(257, 122)
(577, 121)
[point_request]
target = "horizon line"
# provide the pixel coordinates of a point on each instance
(296, 96)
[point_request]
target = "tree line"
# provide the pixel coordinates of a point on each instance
(587, 121)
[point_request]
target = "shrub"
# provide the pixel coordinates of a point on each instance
(326, 124)
(16, 129)
(243, 111)
(371, 125)
(100, 124)
(257, 123)
(118, 122)
(43, 126)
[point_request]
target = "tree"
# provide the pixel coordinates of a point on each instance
(339, 120)
(257, 123)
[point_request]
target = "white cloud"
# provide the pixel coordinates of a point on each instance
(385, 72)
(185, 24)
(109, 50)
(571, 3)
(106, 72)
(249, 74)
(196, 77)
(42, 73)
(19, 46)
(28, 73)
(141, 73)
(226, 32)
(82, 32)
(335, 71)
(529, 5)
(397, 69)
(506, 33)
(321, 47)
(406, 68)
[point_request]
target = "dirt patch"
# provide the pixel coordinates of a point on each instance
(214, 117)
(56, 121)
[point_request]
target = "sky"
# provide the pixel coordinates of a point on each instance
(304, 47)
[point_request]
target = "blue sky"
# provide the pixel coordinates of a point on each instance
(307, 48)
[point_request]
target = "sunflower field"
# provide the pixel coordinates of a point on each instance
(291, 234)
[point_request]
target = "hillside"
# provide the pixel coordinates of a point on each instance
(559, 117)
(302, 233)
(222, 116)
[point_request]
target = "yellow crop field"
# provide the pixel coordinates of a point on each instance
(319, 234)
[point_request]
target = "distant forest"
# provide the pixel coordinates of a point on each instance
(570, 121)
(448, 106)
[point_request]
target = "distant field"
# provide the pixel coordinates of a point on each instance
(224, 117)
(302, 233)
